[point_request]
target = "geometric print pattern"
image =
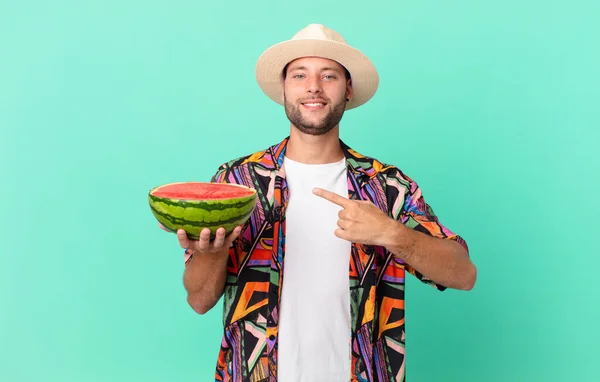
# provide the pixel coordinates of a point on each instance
(248, 351)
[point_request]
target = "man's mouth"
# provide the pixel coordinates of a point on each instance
(314, 104)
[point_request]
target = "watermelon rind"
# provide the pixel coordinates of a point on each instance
(194, 215)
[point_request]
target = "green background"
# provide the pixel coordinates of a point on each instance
(491, 106)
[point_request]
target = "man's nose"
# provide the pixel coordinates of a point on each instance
(313, 85)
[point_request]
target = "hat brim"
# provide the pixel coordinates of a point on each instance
(270, 64)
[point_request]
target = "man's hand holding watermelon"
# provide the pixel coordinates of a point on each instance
(204, 244)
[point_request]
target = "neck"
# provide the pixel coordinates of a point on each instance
(314, 149)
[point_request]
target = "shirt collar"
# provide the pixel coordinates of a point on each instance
(272, 159)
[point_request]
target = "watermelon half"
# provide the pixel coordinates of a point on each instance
(193, 206)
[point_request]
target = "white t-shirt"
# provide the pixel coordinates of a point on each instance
(314, 317)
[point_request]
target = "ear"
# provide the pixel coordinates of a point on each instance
(349, 90)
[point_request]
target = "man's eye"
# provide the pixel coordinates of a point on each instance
(329, 77)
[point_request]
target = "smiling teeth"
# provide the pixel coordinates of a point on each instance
(313, 104)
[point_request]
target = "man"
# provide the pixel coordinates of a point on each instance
(313, 283)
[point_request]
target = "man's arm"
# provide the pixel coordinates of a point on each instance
(443, 260)
(206, 271)
(204, 279)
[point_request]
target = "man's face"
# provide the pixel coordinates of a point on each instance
(315, 91)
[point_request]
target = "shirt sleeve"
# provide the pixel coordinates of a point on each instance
(417, 214)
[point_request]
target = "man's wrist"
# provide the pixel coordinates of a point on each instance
(399, 239)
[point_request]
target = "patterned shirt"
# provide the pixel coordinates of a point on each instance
(377, 278)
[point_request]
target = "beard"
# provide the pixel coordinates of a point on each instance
(323, 126)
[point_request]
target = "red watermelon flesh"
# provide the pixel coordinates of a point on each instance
(202, 191)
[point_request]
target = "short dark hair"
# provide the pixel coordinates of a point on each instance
(284, 72)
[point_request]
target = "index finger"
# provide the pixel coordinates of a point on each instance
(332, 197)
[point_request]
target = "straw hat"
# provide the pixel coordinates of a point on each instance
(320, 41)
